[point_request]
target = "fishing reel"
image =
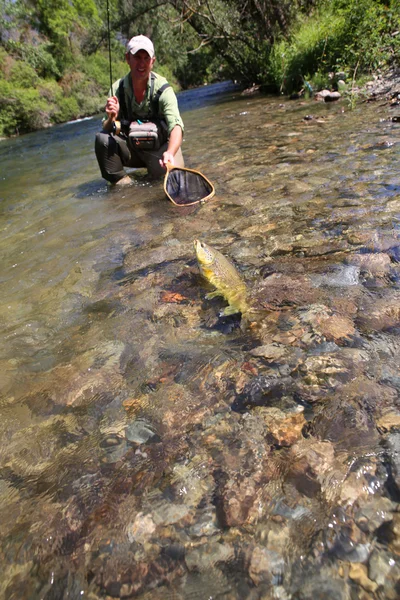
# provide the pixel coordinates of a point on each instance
(116, 127)
(119, 126)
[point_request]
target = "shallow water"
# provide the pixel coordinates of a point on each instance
(148, 447)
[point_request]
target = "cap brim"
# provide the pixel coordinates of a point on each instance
(151, 54)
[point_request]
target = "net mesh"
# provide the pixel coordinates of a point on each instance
(186, 187)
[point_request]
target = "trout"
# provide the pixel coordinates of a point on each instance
(222, 274)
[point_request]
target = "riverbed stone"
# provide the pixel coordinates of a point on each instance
(236, 499)
(376, 264)
(318, 583)
(284, 427)
(192, 481)
(141, 529)
(309, 464)
(359, 573)
(346, 424)
(266, 566)
(270, 351)
(393, 451)
(379, 314)
(374, 512)
(168, 513)
(140, 431)
(338, 276)
(384, 569)
(208, 555)
(324, 324)
(326, 370)
(394, 542)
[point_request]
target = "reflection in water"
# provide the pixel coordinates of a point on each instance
(151, 449)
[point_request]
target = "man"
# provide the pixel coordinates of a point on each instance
(146, 95)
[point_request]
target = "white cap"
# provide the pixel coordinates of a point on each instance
(140, 42)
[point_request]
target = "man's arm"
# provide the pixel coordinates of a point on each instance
(174, 143)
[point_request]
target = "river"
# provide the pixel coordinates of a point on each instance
(152, 449)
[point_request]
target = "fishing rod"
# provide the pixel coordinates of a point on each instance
(109, 44)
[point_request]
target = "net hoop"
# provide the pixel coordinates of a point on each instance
(203, 177)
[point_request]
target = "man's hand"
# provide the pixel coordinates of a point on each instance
(167, 157)
(112, 107)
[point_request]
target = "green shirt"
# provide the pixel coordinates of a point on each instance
(167, 104)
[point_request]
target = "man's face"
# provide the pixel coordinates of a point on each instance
(140, 64)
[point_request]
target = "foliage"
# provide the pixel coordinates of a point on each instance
(54, 54)
(38, 57)
(23, 75)
(21, 110)
(96, 67)
(344, 35)
(368, 41)
(312, 50)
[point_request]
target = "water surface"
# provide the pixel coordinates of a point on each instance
(152, 449)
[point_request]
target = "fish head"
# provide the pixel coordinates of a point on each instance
(204, 254)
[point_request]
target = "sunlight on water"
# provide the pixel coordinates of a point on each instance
(150, 448)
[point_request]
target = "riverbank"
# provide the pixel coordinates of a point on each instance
(383, 86)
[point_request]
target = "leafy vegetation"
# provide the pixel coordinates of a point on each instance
(54, 61)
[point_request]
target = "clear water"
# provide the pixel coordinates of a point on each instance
(151, 449)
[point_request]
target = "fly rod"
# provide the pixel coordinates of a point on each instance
(109, 44)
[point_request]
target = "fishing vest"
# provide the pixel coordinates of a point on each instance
(126, 113)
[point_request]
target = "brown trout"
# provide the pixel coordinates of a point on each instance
(222, 274)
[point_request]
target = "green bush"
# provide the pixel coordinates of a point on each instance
(67, 109)
(200, 67)
(21, 110)
(350, 35)
(50, 91)
(39, 57)
(23, 75)
(368, 42)
(3, 58)
(314, 47)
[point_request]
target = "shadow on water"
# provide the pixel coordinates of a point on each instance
(152, 449)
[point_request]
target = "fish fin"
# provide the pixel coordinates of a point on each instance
(229, 310)
(212, 295)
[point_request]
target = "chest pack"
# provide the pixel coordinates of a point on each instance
(144, 133)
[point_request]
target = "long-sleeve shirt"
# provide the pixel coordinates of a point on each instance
(167, 105)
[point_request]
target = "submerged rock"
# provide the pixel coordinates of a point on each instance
(379, 314)
(313, 582)
(266, 566)
(359, 574)
(374, 512)
(284, 427)
(324, 324)
(140, 432)
(393, 450)
(383, 568)
(347, 425)
(340, 276)
(262, 390)
(375, 264)
(208, 555)
(141, 529)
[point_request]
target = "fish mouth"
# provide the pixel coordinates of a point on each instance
(203, 255)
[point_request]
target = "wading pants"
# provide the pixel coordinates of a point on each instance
(113, 154)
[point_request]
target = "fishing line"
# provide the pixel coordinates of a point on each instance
(109, 45)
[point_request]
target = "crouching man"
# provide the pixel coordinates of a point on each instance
(143, 127)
